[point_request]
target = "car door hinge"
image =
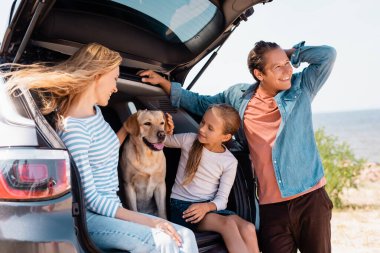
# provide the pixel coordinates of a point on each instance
(75, 209)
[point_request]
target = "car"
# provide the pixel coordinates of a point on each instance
(41, 202)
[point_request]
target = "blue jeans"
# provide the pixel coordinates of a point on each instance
(111, 233)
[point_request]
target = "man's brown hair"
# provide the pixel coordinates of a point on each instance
(256, 58)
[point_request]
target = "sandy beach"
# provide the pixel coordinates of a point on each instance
(356, 228)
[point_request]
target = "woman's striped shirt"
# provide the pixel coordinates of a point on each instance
(95, 149)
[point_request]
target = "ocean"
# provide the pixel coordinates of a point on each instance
(359, 129)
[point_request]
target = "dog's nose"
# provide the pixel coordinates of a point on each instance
(161, 135)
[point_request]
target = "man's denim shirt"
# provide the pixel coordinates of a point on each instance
(295, 157)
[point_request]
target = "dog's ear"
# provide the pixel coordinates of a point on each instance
(132, 125)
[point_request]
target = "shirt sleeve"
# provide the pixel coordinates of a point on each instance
(226, 182)
(321, 61)
(192, 101)
(179, 140)
(77, 140)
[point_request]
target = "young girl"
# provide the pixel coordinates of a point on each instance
(205, 175)
(74, 89)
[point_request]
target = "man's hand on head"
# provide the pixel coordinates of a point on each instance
(289, 52)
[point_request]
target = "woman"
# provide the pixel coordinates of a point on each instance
(73, 90)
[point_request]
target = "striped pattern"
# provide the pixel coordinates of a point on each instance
(95, 149)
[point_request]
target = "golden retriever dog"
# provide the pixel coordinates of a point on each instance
(143, 163)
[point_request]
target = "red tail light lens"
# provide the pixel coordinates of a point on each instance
(33, 174)
(30, 173)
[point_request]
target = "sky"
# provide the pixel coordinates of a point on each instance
(352, 27)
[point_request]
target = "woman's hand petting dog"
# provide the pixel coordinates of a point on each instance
(167, 228)
(196, 212)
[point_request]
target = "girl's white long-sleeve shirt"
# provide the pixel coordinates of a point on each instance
(212, 181)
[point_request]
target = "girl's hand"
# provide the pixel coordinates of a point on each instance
(169, 127)
(196, 212)
(167, 228)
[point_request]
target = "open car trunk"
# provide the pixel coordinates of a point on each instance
(51, 31)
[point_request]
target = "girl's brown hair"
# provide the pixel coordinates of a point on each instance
(231, 125)
(59, 85)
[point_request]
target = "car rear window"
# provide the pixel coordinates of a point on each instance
(177, 19)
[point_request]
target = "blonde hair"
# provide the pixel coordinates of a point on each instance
(59, 85)
(231, 124)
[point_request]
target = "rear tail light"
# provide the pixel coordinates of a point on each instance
(33, 174)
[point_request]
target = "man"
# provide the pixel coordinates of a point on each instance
(295, 210)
